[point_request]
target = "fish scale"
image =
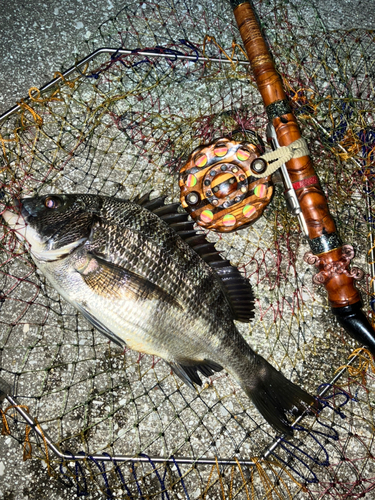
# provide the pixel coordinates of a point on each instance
(136, 279)
(175, 281)
(155, 258)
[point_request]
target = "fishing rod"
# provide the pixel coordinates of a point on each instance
(303, 192)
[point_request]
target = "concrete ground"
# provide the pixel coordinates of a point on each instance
(37, 39)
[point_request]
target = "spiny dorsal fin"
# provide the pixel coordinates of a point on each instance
(238, 289)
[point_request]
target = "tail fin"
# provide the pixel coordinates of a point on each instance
(275, 397)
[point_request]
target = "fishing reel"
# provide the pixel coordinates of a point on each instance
(217, 186)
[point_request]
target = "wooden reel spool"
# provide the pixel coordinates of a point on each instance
(217, 188)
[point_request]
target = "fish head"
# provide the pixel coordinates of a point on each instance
(53, 225)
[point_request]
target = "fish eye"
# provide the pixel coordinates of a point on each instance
(51, 202)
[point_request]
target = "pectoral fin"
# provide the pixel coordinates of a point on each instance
(99, 326)
(112, 281)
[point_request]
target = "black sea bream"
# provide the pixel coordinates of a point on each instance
(142, 276)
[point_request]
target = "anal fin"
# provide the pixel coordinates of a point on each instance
(188, 372)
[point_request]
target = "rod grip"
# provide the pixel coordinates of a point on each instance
(355, 323)
(328, 253)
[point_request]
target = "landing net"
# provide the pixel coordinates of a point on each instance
(123, 125)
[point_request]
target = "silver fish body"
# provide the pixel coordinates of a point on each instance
(139, 283)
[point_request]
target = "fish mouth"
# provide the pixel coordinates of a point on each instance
(15, 213)
(15, 219)
(26, 211)
(41, 249)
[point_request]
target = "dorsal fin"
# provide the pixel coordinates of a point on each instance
(237, 288)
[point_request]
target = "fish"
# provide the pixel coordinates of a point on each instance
(141, 274)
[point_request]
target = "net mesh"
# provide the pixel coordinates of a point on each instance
(123, 126)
